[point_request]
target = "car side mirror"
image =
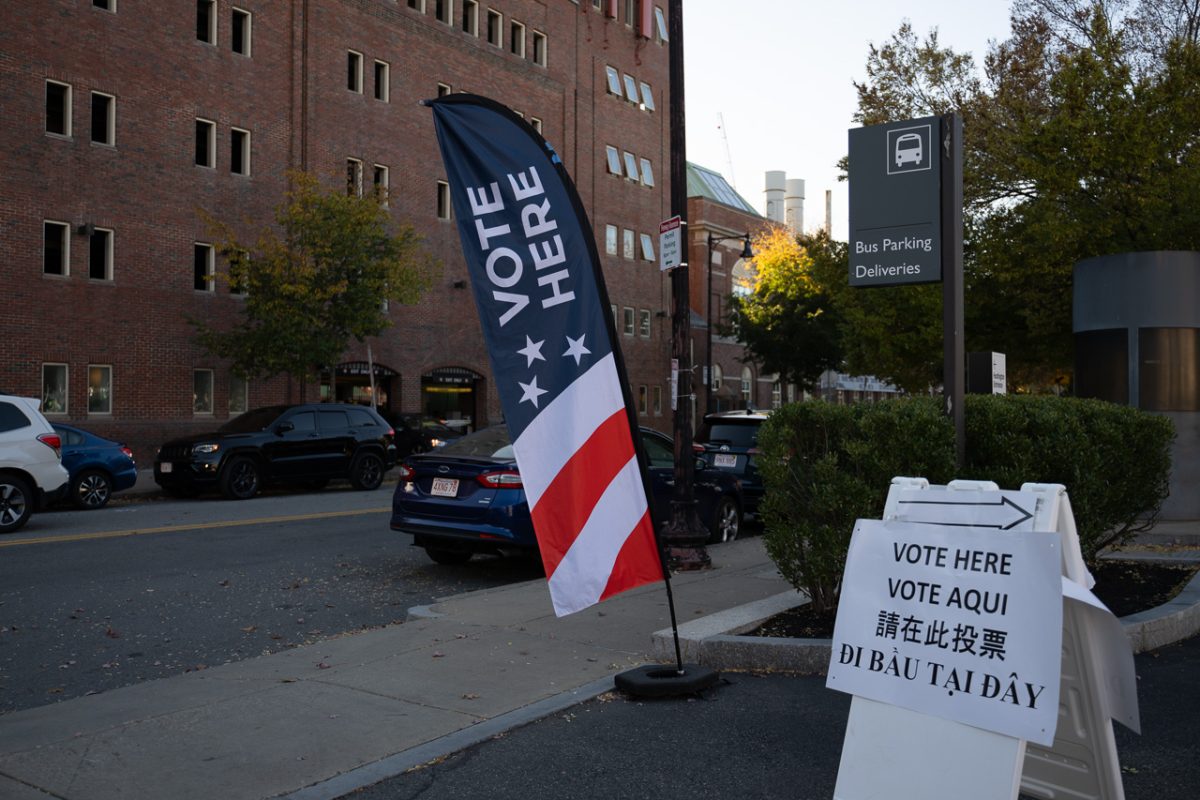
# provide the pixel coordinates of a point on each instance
(284, 427)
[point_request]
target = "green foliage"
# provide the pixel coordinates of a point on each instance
(786, 322)
(826, 466)
(314, 281)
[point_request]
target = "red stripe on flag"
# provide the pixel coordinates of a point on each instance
(568, 501)
(637, 563)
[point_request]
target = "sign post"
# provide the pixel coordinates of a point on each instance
(906, 226)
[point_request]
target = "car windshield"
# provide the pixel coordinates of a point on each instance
(488, 443)
(736, 434)
(253, 421)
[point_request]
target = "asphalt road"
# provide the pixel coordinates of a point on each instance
(96, 600)
(760, 736)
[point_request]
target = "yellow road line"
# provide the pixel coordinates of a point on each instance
(194, 526)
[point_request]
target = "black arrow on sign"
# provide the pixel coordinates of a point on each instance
(1003, 501)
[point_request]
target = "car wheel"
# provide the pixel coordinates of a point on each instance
(448, 556)
(240, 478)
(16, 503)
(367, 471)
(91, 489)
(726, 521)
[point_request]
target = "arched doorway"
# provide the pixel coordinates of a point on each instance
(354, 385)
(451, 394)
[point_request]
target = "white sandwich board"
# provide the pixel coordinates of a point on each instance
(892, 751)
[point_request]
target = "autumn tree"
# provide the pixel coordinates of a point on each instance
(784, 319)
(314, 281)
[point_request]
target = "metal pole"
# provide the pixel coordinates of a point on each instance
(953, 355)
(684, 536)
(708, 394)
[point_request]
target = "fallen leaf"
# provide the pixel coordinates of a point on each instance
(112, 633)
(322, 665)
(250, 629)
(470, 696)
(223, 583)
(438, 654)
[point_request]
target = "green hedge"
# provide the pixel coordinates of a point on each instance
(826, 466)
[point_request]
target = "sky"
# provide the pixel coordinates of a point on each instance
(780, 73)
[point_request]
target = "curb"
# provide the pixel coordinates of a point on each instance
(714, 641)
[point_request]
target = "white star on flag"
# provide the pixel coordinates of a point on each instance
(575, 348)
(531, 392)
(532, 351)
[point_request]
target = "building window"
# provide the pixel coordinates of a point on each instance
(206, 21)
(382, 80)
(660, 25)
(443, 200)
(613, 308)
(56, 248)
(239, 151)
(354, 71)
(239, 393)
(105, 5)
(627, 321)
(100, 255)
(747, 386)
(54, 388)
(614, 80)
(614, 160)
(539, 48)
(647, 96)
(380, 180)
(99, 392)
(657, 400)
(536, 124)
(647, 172)
(203, 267)
(443, 10)
(444, 89)
(631, 89)
(239, 267)
(58, 108)
(354, 176)
(610, 239)
(643, 399)
(516, 39)
(206, 143)
(470, 17)
(631, 170)
(647, 247)
(417, 5)
(717, 378)
(776, 395)
(202, 391)
(644, 323)
(104, 118)
(239, 31)
(627, 242)
(495, 28)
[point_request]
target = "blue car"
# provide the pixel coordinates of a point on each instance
(98, 466)
(466, 497)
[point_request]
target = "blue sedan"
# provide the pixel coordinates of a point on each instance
(98, 466)
(467, 497)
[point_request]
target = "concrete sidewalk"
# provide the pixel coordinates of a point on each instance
(293, 722)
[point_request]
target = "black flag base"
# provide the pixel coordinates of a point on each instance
(665, 680)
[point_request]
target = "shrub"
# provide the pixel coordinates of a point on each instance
(825, 466)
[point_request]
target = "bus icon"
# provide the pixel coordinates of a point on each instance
(909, 149)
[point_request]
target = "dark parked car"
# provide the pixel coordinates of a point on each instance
(302, 444)
(728, 441)
(417, 434)
(467, 497)
(98, 466)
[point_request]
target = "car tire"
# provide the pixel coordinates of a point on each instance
(91, 489)
(726, 522)
(16, 503)
(367, 471)
(448, 557)
(240, 478)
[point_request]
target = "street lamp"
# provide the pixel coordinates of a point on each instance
(746, 253)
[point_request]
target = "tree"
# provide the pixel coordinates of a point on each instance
(785, 321)
(314, 281)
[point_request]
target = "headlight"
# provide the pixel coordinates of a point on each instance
(202, 449)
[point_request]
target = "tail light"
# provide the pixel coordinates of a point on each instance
(53, 441)
(697, 448)
(407, 473)
(127, 452)
(508, 479)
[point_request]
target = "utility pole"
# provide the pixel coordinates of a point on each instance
(683, 535)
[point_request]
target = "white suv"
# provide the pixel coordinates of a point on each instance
(31, 470)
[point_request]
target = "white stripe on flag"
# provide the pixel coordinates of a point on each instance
(564, 426)
(586, 568)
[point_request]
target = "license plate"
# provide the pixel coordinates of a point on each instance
(165, 466)
(444, 487)
(725, 460)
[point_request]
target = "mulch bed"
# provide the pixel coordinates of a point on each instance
(1126, 587)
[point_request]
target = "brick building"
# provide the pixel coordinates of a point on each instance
(123, 120)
